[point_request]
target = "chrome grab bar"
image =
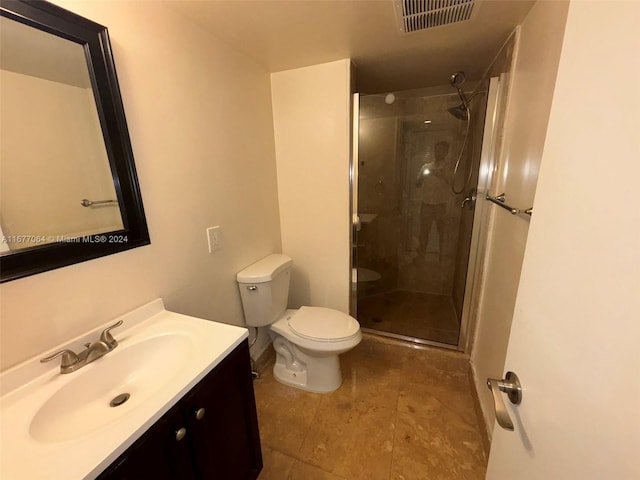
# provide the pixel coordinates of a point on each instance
(90, 203)
(500, 201)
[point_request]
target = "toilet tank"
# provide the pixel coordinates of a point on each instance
(264, 288)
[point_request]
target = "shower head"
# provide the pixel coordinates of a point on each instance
(461, 112)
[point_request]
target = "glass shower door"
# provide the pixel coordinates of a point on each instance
(412, 247)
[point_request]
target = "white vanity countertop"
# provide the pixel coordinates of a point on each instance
(90, 444)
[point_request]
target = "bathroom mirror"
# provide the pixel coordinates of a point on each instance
(68, 185)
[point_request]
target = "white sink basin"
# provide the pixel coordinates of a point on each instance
(57, 425)
(82, 405)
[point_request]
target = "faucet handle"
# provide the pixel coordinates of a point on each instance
(69, 358)
(106, 336)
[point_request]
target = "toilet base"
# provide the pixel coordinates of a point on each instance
(288, 377)
(312, 374)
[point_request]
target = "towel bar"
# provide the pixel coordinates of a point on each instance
(500, 201)
(89, 203)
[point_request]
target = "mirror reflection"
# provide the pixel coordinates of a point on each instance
(52, 153)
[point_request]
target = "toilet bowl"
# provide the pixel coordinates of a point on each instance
(307, 344)
(307, 340)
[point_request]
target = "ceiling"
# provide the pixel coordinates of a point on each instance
(287, 34)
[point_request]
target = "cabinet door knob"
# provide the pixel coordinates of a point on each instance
(181, 433)
(200, 414)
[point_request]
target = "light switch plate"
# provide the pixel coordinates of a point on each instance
(214, 237)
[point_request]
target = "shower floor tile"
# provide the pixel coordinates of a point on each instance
(402, 413)
(412, 314)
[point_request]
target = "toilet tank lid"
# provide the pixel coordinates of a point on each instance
(264, 270)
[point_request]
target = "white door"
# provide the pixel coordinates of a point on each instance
(576, 330)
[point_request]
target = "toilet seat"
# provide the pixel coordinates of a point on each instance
(323, 324)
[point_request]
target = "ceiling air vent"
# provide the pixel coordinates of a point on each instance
(416, 15)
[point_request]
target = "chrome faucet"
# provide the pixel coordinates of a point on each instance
(72, 361)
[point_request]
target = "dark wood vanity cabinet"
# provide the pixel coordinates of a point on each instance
(219, 440)
(157, 454)
(221, 413)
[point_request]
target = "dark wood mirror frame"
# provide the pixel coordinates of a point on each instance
(95, 40)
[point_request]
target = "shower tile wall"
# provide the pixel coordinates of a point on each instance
(394, 143)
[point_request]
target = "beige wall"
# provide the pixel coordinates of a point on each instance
(52, 156)
(311, 111)
(527, 114)
(200, 120)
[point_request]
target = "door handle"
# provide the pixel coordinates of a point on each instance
(511, 386)
(470, 199)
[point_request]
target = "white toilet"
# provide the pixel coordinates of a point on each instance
(307, 341)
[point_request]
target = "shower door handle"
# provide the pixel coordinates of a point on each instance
(511, 386)
(470, 199)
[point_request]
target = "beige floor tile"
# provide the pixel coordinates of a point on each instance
(450, 390)
(304, 471)
(401, 414)
(284, 414)
(276, 465)
(351, 438)
(375, 348)
(417, 361)
(437, 447)
(370, 375)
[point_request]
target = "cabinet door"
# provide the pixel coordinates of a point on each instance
(221, 412)
(160, 454)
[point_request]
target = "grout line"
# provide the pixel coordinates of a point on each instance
(282, 453)
(395, 433)
(306, 435)
(339, 477)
